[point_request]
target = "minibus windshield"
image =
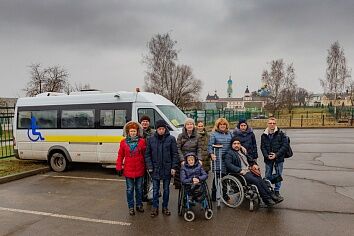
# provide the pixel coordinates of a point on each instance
(175, 115)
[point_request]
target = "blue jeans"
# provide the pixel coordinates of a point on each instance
(136, 184)
(278, 170)
(156, 192)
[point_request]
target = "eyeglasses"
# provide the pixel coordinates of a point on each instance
(271, 123)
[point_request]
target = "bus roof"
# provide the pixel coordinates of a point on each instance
(46, 99)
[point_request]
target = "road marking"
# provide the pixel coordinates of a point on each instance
(85, 178)
(111, 222)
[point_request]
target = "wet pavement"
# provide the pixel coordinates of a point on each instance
(89, 200)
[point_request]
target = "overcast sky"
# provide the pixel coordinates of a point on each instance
(102, 42)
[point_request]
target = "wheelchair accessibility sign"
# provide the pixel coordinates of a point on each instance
(33, 134)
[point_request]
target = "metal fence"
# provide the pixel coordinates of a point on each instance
(6, 135)
(210, 116)
(308, 117)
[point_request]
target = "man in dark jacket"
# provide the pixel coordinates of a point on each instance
(147, 133)
(161, 158)
(273, 146)
(237, 162)
(248, 140)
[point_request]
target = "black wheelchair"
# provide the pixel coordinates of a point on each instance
(192, 194)
(236, 189)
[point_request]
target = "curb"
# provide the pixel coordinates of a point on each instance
(23, 175)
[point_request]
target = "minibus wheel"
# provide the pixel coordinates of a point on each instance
(58, 162)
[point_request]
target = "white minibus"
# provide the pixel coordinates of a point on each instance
(84, 126)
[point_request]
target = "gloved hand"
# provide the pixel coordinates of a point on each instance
(150, 171)
(120, 172)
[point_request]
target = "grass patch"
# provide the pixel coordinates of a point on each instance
(6, 134)
(11, 165)
(6, 151)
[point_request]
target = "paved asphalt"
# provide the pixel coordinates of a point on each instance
(89, 200)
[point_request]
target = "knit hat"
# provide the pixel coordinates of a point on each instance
(190, 154)
(241, 121)
(189, 120)
(233, 139)
(160, 123)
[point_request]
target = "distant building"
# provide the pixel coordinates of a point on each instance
(343, 99)
(8, 102)
(314, 100)
(248, 102)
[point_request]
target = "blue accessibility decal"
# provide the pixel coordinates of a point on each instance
(32, 133)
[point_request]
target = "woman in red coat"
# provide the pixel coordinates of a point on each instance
(131, 164)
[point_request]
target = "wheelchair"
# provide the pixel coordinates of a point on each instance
(236, 189)
(188, 197)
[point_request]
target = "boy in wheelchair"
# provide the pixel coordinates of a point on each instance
(192, 175)
(239, 163)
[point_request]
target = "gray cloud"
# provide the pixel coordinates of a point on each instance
(102, 42)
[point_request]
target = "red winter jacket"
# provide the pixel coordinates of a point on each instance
(133, 164)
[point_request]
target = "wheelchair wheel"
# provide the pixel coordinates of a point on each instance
(210, 203)
(189, 216)
(232, 188)
(208, 214)
(180, 200)
(252, 205)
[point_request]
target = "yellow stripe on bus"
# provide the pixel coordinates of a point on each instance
(83, 139)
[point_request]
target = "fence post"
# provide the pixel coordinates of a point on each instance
(205, 117)
(213, 116)
(290, 120)
(195, 115)
(323, 120)
(307, 114)
(301, 119)
(219, 113)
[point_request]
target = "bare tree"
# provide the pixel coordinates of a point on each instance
(56, 78)
(350, 91)
(165, 76)
(337, 72)
(301, 95)
(36, 84)
(51, 79)
(280, 84)
(289, 90)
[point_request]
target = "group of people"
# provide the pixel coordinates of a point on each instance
(146, 152)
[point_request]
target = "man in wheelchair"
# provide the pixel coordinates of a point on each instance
(239, 163)
(192, 174)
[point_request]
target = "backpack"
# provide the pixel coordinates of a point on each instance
(289, 152)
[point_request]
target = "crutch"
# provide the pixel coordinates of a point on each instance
(217, 176)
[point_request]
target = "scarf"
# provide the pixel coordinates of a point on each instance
(132, 142)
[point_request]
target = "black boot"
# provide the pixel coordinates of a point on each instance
(277, 194)
(269, 202)
(276, 199)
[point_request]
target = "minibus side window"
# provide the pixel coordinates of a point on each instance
(78, 119)
(46, 119)
(113, 118)
(24, 120)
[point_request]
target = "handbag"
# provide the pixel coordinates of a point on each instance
(255, 171)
